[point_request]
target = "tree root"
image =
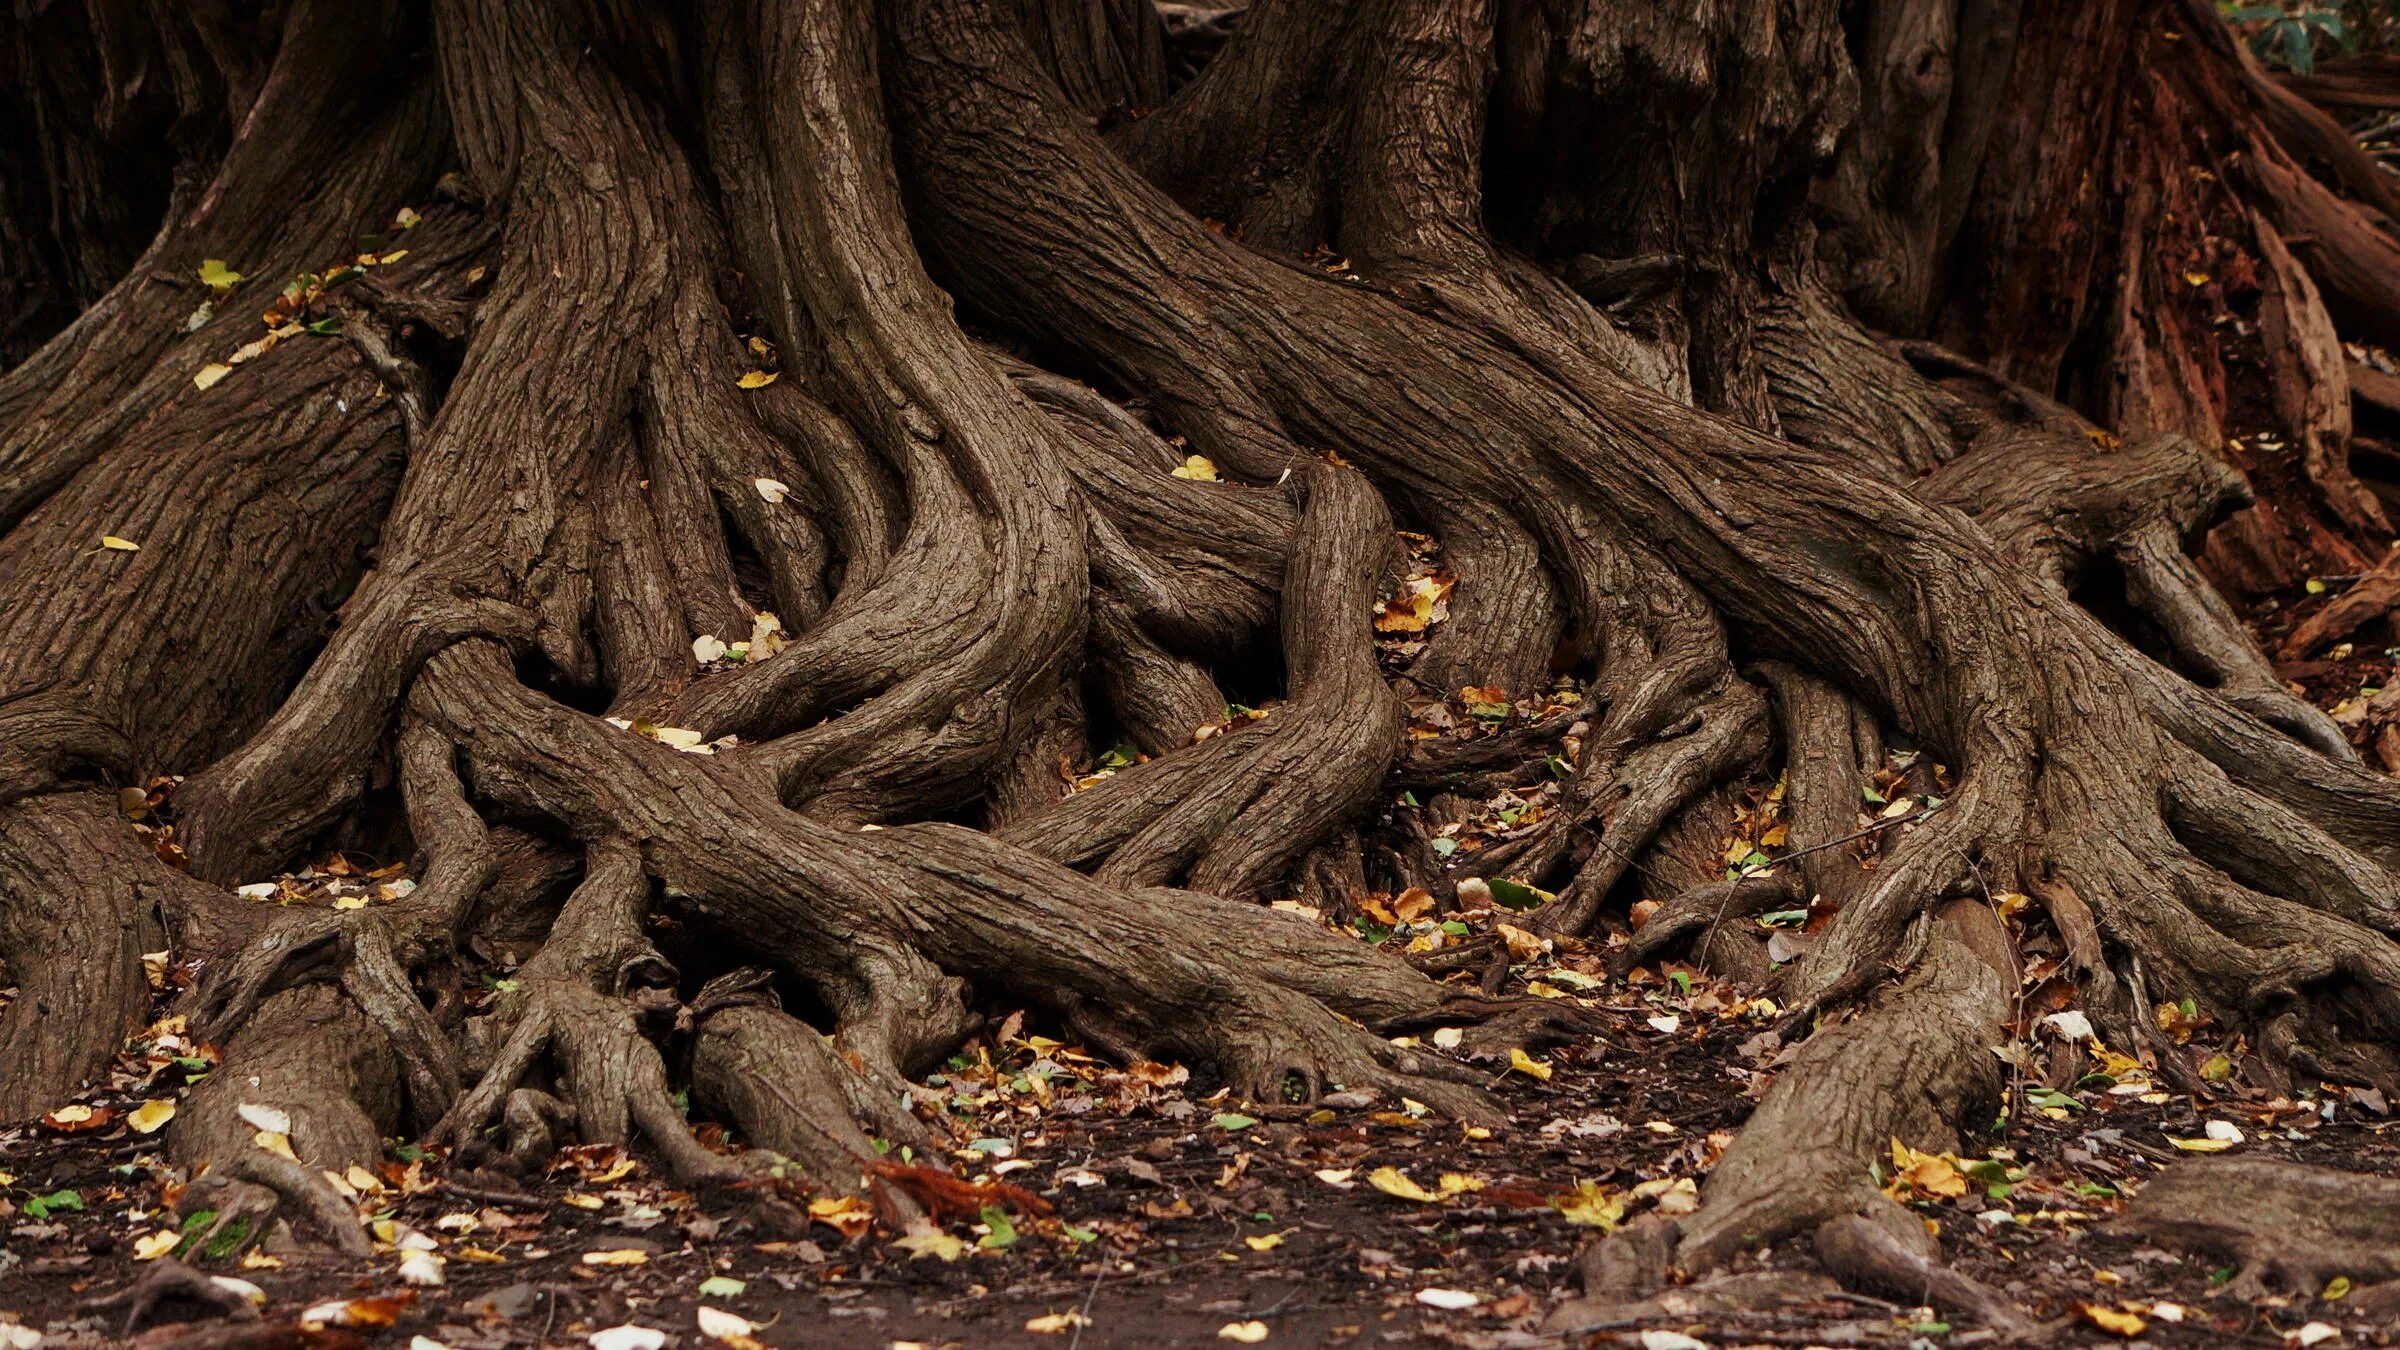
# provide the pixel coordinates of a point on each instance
(312, 1058)
(1908, 1067)
(2289, 1227)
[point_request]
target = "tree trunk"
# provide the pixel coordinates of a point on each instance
(654, 356)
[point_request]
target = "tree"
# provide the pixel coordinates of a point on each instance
(656, 337)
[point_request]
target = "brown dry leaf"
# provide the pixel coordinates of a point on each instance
(79, 1119)
(1413, 904)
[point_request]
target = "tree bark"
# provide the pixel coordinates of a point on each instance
(1635, 323)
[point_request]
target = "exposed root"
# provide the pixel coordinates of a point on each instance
(1909, 1067)
(1234, 811)
(2289, 1227)
(78, 901)
(310, 1058)
(581, 1002)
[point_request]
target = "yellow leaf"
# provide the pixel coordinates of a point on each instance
(275, 1142)
(1264, 1242)
(151, 1246)
(616, 1256)
(2337, 1287)
(1526, 1064)
(1054, 1323)
(1197, 468)
(1391, 1181)
(846, 1213)
(2202, 1145)
(2109, 1319)
(931, 1242)
(146, 1118)
(210, 374)
(215, 275)
(120, 545)
(1248, 1333)
(1592, 1205)
(756, 379)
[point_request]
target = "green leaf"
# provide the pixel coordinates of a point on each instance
(1681, 979)
(1782, 918)
(1444, 847)
(2052, 1098)
(722, 1286)
(43, 1206)
(1516, 894)
(1454, 928)
(1003, 1234)
(1227, 1120)
(326, 328)
(1073, 1234)
(1559, 767)
(1409, 799)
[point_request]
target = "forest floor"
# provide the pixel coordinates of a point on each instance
(1147, 1210)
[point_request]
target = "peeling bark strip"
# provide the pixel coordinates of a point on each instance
(654, 354)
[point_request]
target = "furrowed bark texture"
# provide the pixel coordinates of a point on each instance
(633, 540)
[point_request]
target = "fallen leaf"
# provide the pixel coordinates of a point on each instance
(207, 376)
(846, 1214)
(1391, 1181)
(2201, 1145)
(721, 1286)
(719, 1325)
(2110, 1320)
(275, 1142)
(773, 491)
(627, 1337)
(79, 1119)
(1671, 1340)
(756, 379)
(616, 1256)
(1526, 1064)
(120, 545)
(931, 1242)
(1196, 468)
(215, 275)
(1452, 1300)
(1338, 1177)
(2311, 1333)
(264, 1117)
(708, 647)
(151, 1246)
(1264, 1242)
(1248, 1333)
(1591, 1205)
(1053, 1323)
